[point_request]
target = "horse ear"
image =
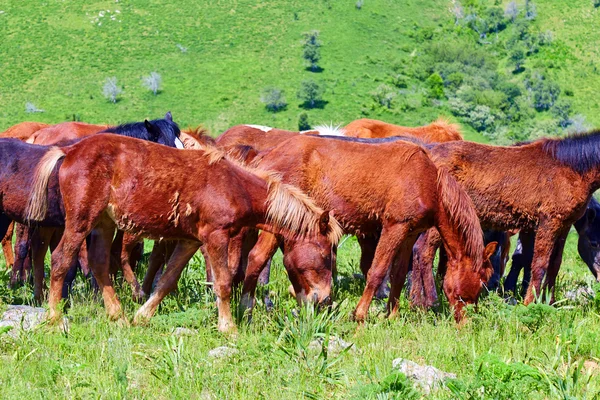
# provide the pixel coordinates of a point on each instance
(324, 222)
(490, 249)
(169, 117)
(152, 132)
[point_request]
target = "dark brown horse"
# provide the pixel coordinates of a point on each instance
(540, 188)
(394, 202)
(110, 182)
(438, 131)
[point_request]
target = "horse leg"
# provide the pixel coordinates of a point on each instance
(21, 254)
(116, 252)
(387, 248)
(545, 239)
(184, 250)
(423, 292)
(555, 262)
(7, 249)
(155, 262)
(217, 251)
(398, 273)
(40, 242)
(130, 242)
(368, 244)
(258, 258)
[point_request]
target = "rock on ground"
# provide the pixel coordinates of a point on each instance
(22, 317)
(428, 378)
(179, 331)
(222, 352)
(334, 347)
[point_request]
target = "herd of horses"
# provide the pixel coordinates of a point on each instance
(92, 193)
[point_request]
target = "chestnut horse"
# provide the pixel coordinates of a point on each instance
(540, 188)
(18, 161)
(23, 131)
(110, 182)
(403, 196)
(438, 131)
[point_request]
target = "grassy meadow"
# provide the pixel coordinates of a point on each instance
(216, 57)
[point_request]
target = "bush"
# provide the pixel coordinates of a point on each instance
(545, 92)
(512, 10)
(596, 3)
(359, 4)
(481, 118)
(152, 82)
(435, 84)
(530, 10)
(31, 108)
(579, 124)
(562, 110)
(384, 95)
(111, 90)
(274, 99)
(454, 80)
(312, 49)
(310, 93)
(303, 124)
(517, 58)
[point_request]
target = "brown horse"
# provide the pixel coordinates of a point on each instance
(110, 181)
(540, 188)
(23, 131)
(438, 131)
(404, 196)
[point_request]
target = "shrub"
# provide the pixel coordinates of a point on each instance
(384, 95)
(517, 58)
(545, 92)
(596, 3)
(579, 124)
(182, 48)
(562, 110)
(274, 99)
(512, 10)
(435, 84)
(458, 11)
(454, 80)
(530, 10)
(312, 49)
(481, 118)
(111, 90)
(359, 4)
(303, 124)
(310, 93)
(31, 108)
(152, 82)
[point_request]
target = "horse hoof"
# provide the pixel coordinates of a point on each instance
(268, 304)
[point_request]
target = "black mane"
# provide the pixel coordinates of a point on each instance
(167, 129)
(580, 152)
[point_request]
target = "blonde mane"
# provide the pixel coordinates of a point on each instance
(289, 208)
(452, 130)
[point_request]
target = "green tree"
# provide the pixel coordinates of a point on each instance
(274, 99)
(310, 93)
(312, 49)
(562, 110)
(517, 58)
(303, 124)
(435, 83)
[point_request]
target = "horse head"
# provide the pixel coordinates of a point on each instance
(164, 131)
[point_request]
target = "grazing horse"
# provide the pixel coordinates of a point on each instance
(540, 188)
(403, 196)
(588, 246)
(110, 182)
(17, 167)
(438, 131)
(23, 131)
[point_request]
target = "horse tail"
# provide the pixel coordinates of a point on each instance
(330, 130)
(37, 204)
(291, 209)
(461, 213)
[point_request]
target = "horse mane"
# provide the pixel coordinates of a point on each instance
(461, 211)
(329, 130)
(579, 151)
(288, 208)
(452, 130)
(138, 129)
(193, 138)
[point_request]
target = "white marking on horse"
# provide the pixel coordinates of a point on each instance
(330, 130)
(179, 143)
(261, 127)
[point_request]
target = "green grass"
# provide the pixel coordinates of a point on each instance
(502, 352)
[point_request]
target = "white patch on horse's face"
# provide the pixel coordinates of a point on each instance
(261, 127)
(179, 143)
(330, 130)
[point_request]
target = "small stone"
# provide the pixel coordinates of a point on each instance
(428, 378)
(334, 347)
(222, 352)
(179, 331)
(22, 318)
